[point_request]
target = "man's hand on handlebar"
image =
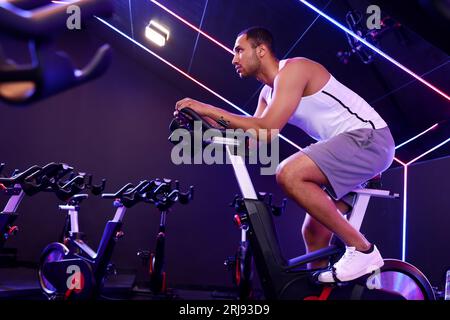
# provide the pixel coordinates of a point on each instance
(198, 107)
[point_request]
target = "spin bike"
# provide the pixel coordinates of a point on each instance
(163, 195)
(29, 182)
(290, 279)
(241, 264)
(73, 270)
(12, 187)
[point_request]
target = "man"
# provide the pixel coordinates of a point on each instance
(354, 144)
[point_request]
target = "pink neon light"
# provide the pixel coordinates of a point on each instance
(415, 137)
(405, 211)
(423, 154)
(192, 26)
(427, 152)
(399, 161)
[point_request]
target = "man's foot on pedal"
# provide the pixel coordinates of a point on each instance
(352, 265)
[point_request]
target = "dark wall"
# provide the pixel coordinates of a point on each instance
(428, 235)
(116, 128)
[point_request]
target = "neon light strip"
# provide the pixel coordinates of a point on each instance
(192, 26)
(407, 83)
(304, 33)
(131, 19)
(405, 214)
(186, 75)
(381, 53)
(425, 153)
(196, 38)
(399, 161)
(404, 211)
(413, 138)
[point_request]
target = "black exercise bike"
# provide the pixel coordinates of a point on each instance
(290, 279)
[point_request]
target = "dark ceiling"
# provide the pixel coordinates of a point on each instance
(407, 105)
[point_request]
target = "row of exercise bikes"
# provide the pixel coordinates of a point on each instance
(71, 269)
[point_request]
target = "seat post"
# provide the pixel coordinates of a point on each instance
(73, 214)
(359, 210)
(14, 201)
(362, 201)
(238, 163)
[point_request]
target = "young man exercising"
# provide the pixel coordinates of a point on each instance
(354, 144)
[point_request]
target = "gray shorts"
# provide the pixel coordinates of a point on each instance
(351, 158)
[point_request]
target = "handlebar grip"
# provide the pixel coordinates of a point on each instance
(119, 193)
(186, 197)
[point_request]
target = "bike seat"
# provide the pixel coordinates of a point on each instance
(374, 182)
(78, 198)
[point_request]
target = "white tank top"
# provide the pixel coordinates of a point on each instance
(332, 110)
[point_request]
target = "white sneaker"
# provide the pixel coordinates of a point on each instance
(352, 265)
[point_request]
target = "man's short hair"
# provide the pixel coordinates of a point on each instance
(259, 35)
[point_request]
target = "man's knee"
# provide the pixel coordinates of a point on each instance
(288, 172)
(299, 168)
(282, 173)
(287, 179)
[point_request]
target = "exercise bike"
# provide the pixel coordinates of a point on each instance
(29, 182)
(290, 279)
(12, 187)
(151, 275)
(73, 270)
(241, 264)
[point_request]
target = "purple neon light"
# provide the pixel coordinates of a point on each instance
(415, 137)
(427, 152)
(405, 211)
(192, 26)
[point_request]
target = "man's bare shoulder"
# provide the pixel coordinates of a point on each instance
(296, 68)
(305, 68)
(302, 62)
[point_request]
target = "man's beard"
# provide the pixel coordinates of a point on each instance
(252, 70)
